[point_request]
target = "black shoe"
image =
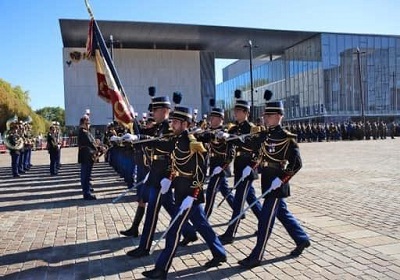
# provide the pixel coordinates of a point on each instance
(155, 274)
(21, 171)
(249, 263)
(89, 197)
(216, 261)
(138, 253)
(187, 239)
(91, 189)
(255, 233)
(16, 176)
(225, 239)
(300, 248)
(133, 231)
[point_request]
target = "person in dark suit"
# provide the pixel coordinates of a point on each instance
(52, 148)
(86, 156)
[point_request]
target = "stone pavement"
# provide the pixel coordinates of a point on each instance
(347, 197)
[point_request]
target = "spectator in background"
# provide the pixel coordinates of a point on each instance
(86, 156)
(52, 148)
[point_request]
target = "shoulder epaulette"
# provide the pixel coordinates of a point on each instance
(289, 134)
(229, 126)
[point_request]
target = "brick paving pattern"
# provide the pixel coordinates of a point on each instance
(347, 197)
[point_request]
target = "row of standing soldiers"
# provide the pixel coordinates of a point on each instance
(171, 162)
(317, 132)
(19, 141)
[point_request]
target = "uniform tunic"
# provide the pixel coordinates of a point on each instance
(245, 155)
(188, 168)
(280, 157)
(220, 154)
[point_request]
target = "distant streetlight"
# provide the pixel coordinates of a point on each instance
(251, 46)
(358, 53)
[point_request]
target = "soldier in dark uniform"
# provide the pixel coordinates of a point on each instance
(86, 156)
(14, 143)
(188, 165)
(220, 156)
(106, 140)
(28, 144)
(142, 158)
(160, 167)
(244, 163)
(280, 161)
(52, 148)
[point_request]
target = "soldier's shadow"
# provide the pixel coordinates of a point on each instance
(215, 273)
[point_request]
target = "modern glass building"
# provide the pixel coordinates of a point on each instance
(328, 77)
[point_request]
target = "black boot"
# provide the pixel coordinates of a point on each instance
(134, 229)
(155, 274)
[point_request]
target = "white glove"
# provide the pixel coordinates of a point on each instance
(222, 135)
(165, 184)
(126, 137)
(114, 138)
(133, 138)
(276, 183)
(186, 203)
(146, 177)
(246, 171)
(217, 170)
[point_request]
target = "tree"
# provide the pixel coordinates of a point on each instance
(52, 114)
(14, 102)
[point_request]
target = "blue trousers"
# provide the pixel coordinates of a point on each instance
(27, 159)
(14, 163)
(156, 200)
(217, 183)
(276, 208)
(21, 161)
(143, 189)
(86, 172)
(244, 192)
(197, 216)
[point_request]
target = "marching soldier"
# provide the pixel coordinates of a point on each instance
(160, 167)
(220, 156)
(280, 162)
(244, 163)
(142, 155)
(188, 165)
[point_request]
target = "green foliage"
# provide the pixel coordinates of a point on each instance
(53, 114)
(14, 101)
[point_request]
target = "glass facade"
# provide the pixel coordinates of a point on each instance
(325, 78)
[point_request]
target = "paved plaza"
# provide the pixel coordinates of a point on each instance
(347, 197)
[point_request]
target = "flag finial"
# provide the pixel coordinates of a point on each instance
(89, 9)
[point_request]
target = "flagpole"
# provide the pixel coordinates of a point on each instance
(111, 62)
(89, 9)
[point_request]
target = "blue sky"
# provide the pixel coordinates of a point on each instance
(31, 46)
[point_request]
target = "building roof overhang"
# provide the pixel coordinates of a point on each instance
(225, 42)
